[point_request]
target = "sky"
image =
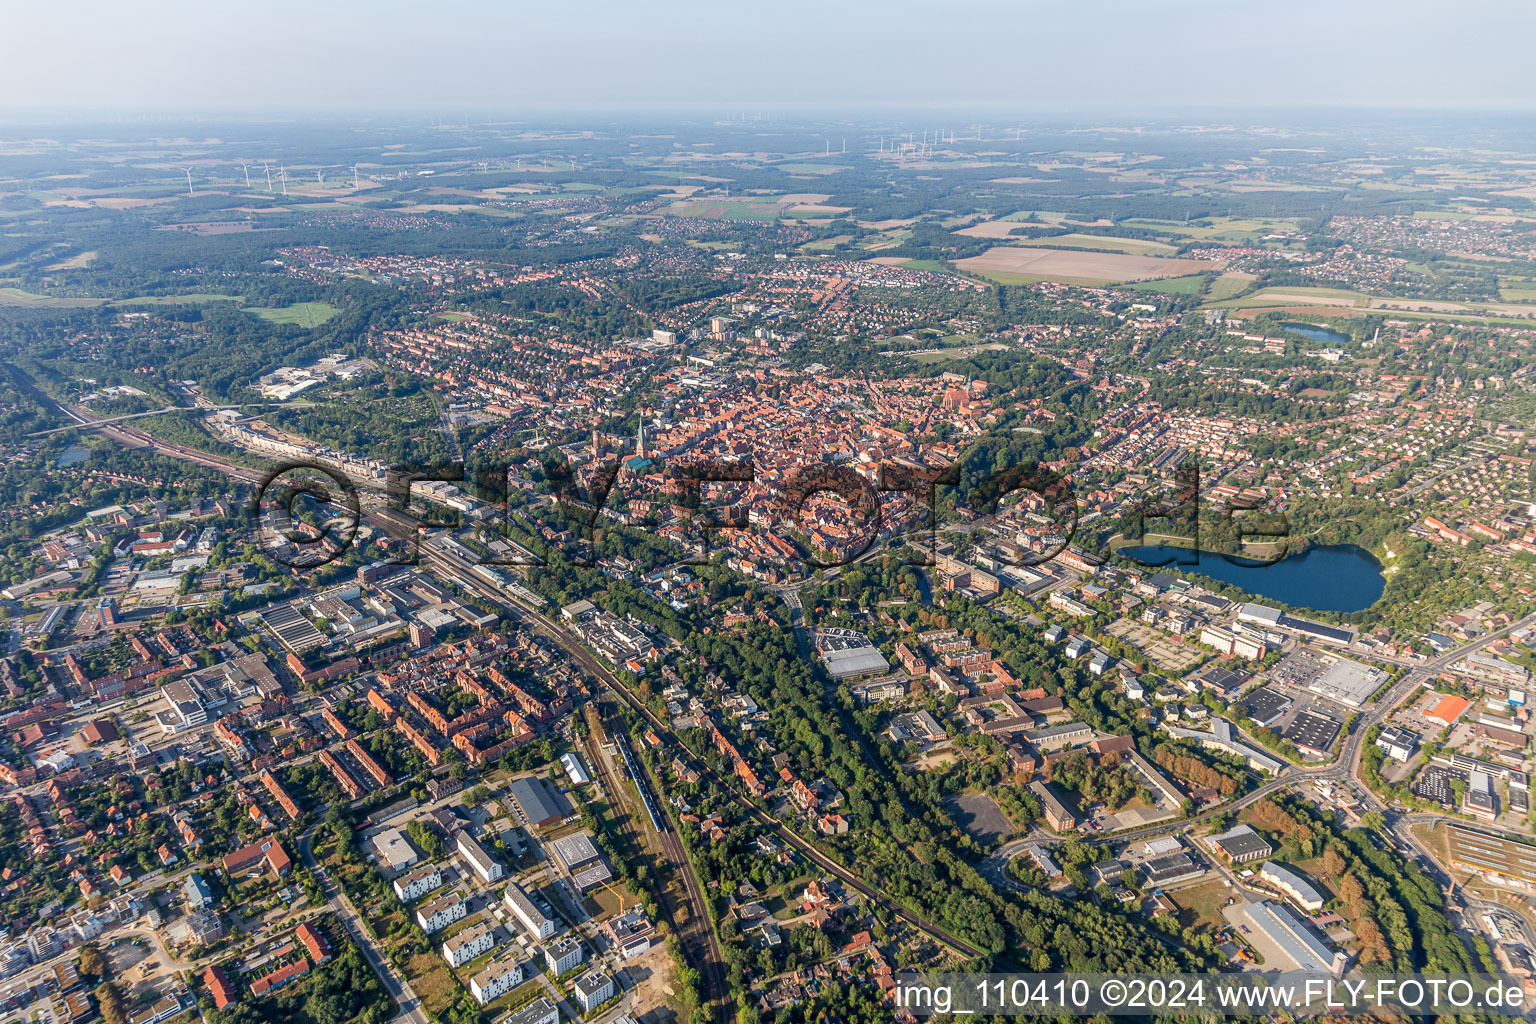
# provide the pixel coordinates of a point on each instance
(454, 56)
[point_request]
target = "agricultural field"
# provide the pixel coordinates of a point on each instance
(1129, 246)
(1299, 298)
(989, 229)
(1230, 284)
(1235, 230)
(798, 205)
(1018, 265)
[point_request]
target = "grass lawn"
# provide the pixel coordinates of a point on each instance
(454, 317)
(946, 355)
(1200, 905)
(17, 297)
(1194, 284)
(185, 299)
(301, 314)
(1433, 838)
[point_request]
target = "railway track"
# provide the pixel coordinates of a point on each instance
(396, 523)
(700, 944)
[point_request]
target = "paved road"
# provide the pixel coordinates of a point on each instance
(395, 521)
(337, 901)
(1345, 768)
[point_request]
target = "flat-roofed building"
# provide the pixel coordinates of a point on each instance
(563, 954)
(1492, 855)
(393, 851)
(1055, 737)
(577, 854)
(540, 1011)
(1225, 738)
(1312, 733)
(1398, 743)
(1241, 844)
(1171, 869)
(592, 990)
(186, 704)
(1348, 682)
(631, 931)
(855, 663)
(1481, 801)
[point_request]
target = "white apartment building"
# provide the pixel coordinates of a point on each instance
(441, 913)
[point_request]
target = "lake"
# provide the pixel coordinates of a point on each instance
(1332, 578)
(73, 454)
(1317, 332)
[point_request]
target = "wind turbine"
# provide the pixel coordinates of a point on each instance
(268, 168)
(282, 172)
(189, 179)
(354, 177)
(247, 171)
(320, 175)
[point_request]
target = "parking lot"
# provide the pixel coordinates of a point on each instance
(1165, 653)
(1434, 783)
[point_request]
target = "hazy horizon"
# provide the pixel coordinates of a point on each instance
(286, 59)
